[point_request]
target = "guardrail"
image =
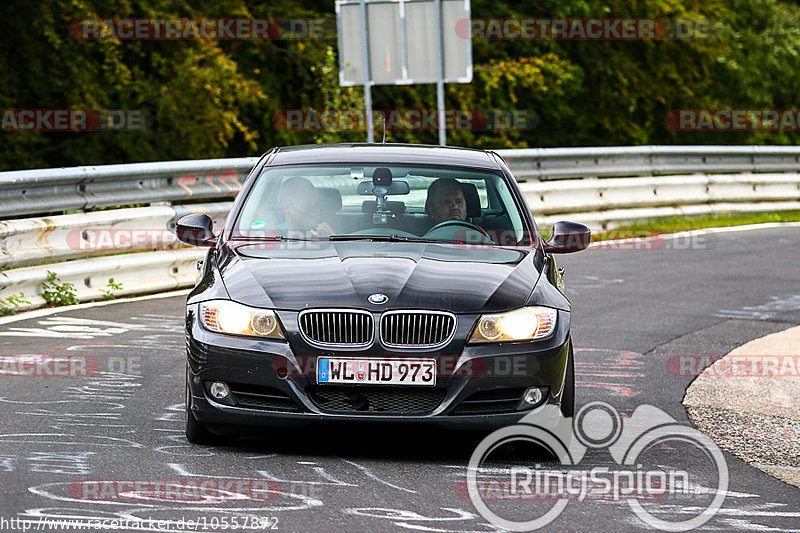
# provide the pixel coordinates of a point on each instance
(137, 273)
(32, 241)
(605, 203)
(582, 184)
(557, 163)
(27, 192)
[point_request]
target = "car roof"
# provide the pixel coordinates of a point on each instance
(379, 153)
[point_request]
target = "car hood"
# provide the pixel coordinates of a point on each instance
(300, 275)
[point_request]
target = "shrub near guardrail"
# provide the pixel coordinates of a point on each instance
(55, 292)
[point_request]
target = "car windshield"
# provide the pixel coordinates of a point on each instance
(343, 202)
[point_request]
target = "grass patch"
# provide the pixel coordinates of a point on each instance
(647, 228)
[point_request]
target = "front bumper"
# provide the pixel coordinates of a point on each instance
(274, 382)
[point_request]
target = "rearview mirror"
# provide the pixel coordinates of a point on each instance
(366, 188)
(568, 237)
(196, 229)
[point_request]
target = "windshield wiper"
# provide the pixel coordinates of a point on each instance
(267, 238)
(387, 238)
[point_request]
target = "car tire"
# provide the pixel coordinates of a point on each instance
(196, 431)
(568, 396)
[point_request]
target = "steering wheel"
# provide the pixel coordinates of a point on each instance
(456, 222)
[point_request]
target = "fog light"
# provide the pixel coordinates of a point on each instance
(533, 396)
(219, 390)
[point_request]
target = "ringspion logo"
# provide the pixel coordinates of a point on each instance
(597, 484)
(650, 452)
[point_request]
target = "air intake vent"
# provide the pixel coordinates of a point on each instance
(490, 402)
(417, 329)
(264, 398)
(376, 400)
(337, 327)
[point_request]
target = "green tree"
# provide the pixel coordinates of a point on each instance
(221, 98)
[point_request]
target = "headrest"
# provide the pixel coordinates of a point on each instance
(472, 199)
(330, 199)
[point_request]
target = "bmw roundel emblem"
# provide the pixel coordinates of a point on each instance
(378, 298)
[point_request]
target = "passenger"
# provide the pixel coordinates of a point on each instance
(446, 201)
(299, 200)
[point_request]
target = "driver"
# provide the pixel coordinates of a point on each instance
(446, 201)
(299, 200)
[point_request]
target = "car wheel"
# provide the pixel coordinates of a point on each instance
(196, 431)
(568, 396)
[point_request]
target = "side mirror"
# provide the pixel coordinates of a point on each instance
(568, 237)
(196, 229)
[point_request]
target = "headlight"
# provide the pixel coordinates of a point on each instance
(527, 323)
(236, 319)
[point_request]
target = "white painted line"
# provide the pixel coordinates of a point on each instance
(773, 467)
(53, 310)
(370, 475)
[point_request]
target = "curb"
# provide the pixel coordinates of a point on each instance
(748, 402)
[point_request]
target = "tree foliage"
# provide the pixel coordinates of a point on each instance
(211, 99)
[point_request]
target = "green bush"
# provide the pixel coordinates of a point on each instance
(108, 292)
(57, 293)
(11, 305)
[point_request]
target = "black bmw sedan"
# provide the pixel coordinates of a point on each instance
(379, 282)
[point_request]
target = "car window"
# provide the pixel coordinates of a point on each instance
(318, 201)
(513, 214)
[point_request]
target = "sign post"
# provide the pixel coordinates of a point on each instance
(400, 42)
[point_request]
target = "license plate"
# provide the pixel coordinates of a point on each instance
(376, 371)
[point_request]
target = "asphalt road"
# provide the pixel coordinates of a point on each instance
(69, 444)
